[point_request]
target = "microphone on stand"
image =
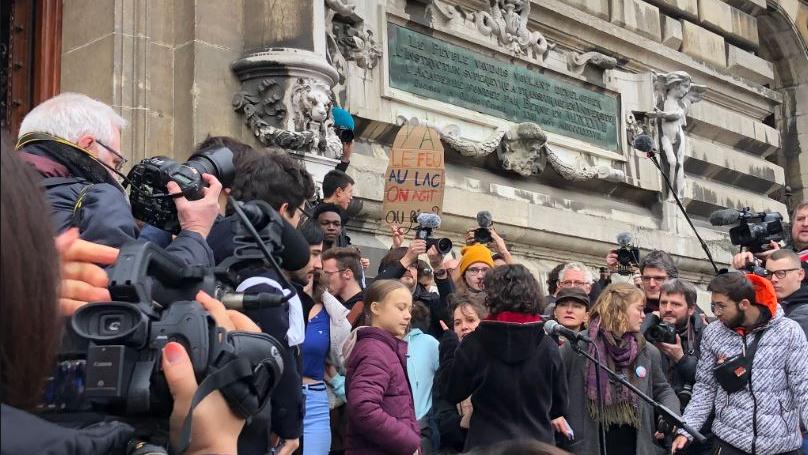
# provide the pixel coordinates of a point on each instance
(645, 144)
(554, 328)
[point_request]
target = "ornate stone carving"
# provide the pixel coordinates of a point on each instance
(308, 125)
(347, 39)
(523, 149)
(507, 21)
(577, 62)
(675, 92)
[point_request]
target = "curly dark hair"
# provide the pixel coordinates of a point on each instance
(513, 288)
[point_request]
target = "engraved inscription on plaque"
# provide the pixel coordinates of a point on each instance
(433, 68)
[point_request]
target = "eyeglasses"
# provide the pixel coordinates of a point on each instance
(573, 284)
(717, 308)
(331, 272)
(658, 279)
(476, 270)
(120, 163)
(780, 274)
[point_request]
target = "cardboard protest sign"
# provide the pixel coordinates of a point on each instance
(414, 181)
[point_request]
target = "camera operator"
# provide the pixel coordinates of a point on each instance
(73, 142)
(677, 310)
(275, 177)
(31, 327)
(655, 268)
(799, 243)
(784, 270)
(755, 413)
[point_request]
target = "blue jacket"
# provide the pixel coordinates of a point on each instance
(82, 193)
(422, 363)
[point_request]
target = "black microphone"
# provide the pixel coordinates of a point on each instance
(724, 217)
(644, 143)
(554, 328)
(295, 254)
(239, 301)
(484, 219)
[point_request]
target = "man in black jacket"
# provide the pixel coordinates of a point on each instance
(74, 143)
(786, 274)
(677, 308)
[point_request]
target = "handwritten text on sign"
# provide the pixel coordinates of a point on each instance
(414, 181)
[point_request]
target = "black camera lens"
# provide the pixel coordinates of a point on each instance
(217, 161)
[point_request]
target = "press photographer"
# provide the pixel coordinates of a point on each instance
(784, 270)
(31, 325)
(676, 331)
(760, 234)
(754, 413)
(73, 142)
(655, 268)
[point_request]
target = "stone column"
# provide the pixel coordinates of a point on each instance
(163, 65)
(285, 76)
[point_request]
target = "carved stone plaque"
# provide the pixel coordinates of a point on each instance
(433, 68)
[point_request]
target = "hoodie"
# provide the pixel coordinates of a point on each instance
(516, 380)
(795, 307)
(381, 416)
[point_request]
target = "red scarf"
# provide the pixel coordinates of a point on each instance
(513, 316)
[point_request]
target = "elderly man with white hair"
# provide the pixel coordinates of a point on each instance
(74, 142)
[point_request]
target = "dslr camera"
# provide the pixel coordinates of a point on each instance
(426, 223)
(483, 233)
(628, 254)
(754, 230)
(660, 332)
(148, 196)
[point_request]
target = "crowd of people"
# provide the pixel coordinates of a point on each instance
(435, 355)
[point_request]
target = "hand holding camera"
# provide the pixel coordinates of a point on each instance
(82, 280)
(198, 215)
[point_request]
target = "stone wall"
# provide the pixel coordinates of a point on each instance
(167, 66)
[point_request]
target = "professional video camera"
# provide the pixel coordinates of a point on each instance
(660, 331)
(754, 230)
(483, 233)
(628, 255)
(426, 223)
(150, 200)
(119, 343)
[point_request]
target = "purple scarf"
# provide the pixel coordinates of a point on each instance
(620, 405)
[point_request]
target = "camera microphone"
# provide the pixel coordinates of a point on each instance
(239, 301)
(644, 143)
(724, 217)
(624, 239)
(484, 219)
(554, 328)
(428, 220)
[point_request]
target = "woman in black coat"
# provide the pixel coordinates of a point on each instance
(511, 369)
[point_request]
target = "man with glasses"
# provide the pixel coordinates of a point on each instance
(784, 270)
(342, 269)
(74, 143)
(752, 372)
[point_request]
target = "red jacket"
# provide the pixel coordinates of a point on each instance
(381, 413)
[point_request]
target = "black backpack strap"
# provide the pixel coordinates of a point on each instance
(752, 349)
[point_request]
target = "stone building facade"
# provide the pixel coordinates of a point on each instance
(537, 103)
